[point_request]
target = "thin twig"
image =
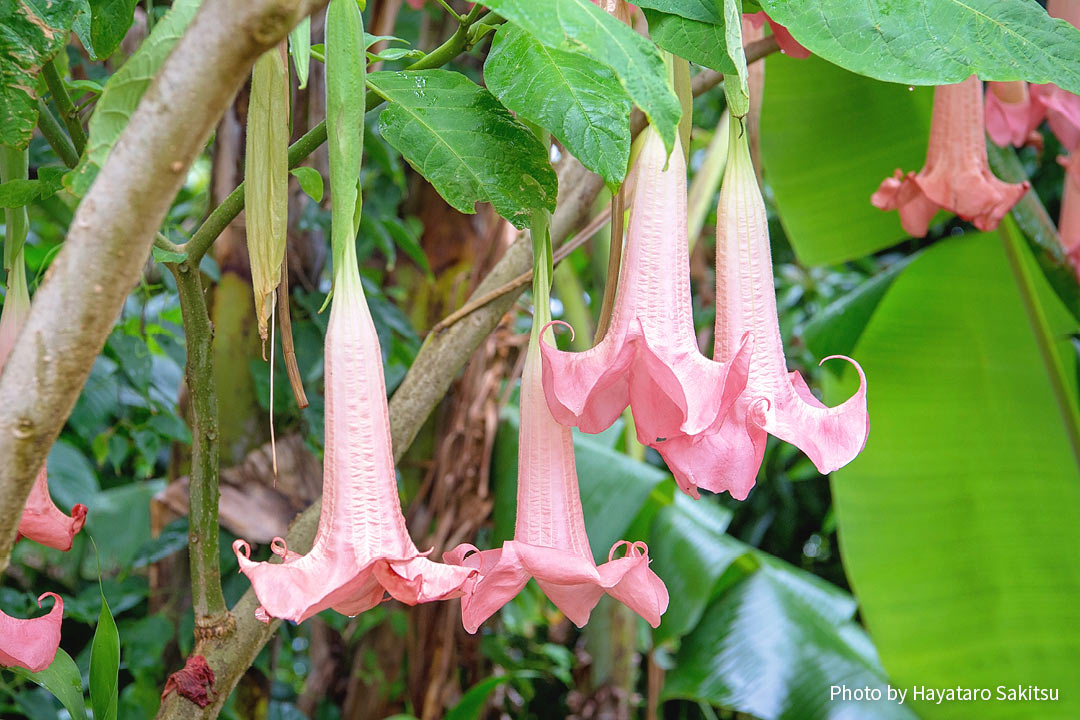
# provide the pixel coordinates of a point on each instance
(580, 239)
(288, 349)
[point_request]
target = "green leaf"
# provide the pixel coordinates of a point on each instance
(18, 193)
(566, 93)
(578, 25)
(936, 42)
(472, 703)
(762, 649)
(960, 519)
(124, 90)
(829, 137)
(736, 88)
(614, 486)
(699, 42)
(300, 49)
(310, 180)
(109, 23)
(31, 33)
(105, 665)
(458, 136)
(168, 256)
(705, 11)
(63, 679)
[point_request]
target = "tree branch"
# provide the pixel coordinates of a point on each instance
(114, 226)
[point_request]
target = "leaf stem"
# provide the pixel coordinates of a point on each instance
(1013, 240)
(68, 114)
(56, 136)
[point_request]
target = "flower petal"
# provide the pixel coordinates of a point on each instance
(31, 644)
(45, 523)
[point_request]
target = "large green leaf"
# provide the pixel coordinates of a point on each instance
(614, 486)
(580, 102)
(105, 665)
(124, 90)
(31, 33)
(936, 42)
(63, 679)
(699, 42)
(707, 11)
(829, 137)
(109, 22)
(458, 136)
(959, 522)
(580, 25)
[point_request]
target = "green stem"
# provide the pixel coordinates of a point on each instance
(207, 598)
(56, 136)
(68, 114)
(231, 206)
(1013, 240)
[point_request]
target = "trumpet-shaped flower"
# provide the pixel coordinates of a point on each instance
(1062, 107)
(41, 520)
(362, 549)
(788, 45)
(956, 176)
(549, 536)
(1013, 114)
(1069, 220)
(31, 644)
(775, 402)
(649, 358)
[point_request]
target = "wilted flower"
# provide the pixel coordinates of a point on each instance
(788, 45)
(956, 176)
(362, 549)
(31, 644)
(549, 536)
(1013, 114)
(649, 358)
(41, 520)
(775, 401)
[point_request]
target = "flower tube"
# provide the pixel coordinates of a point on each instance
(775, 402)
(31, 644)
(956, 176)
(649, 358)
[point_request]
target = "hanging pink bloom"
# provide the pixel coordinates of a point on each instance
(362, 549)
(41, 521)
(1069, 220)
(775, 401)
(956, 176)
(1062, 107)
(649, 357)
(549, 536)
(1013, 114)
(788, 45)
(31, 644)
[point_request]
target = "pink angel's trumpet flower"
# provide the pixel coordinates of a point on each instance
(1069, 220)
(788, 45)
(1062, 107)
(549, 536)
(362, 549)
(31, 644)
(41, 521)
(956, 176)
(649, 358)
(775, 402)
(1013, 114)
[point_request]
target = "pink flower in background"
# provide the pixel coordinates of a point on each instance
(649, 358)
(1069, 219)
(1013, 115)
(788, 45)
(362, 549)
(775, 402)
(1062, 108)
(956, 176)
(41, 521)
(31, 644)
(549, 535)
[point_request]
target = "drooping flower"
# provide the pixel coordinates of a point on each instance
(31, 644)
(788, 45)
(1013, 114)
(956, 176)
(775, 402)
(41, 520)
(362, 549)
(549, 536)
(649, 358)
(1062, 107)
(1069, 219)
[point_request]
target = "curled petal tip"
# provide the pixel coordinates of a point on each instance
(58, 602)
(241, 548)
(279, 547)
(558, 322)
